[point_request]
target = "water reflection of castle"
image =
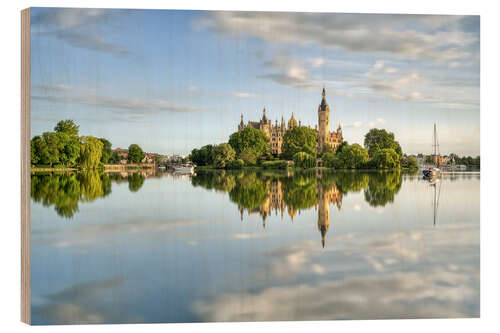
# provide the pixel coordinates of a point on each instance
(276, 203)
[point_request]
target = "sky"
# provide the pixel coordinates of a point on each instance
(172, 81)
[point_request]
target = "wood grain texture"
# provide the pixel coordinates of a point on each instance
(25, 167)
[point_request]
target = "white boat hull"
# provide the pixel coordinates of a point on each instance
(184, 169)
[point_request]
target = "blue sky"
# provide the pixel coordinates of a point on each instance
(171, 81)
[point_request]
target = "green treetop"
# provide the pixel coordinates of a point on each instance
(67, 126)
(249, 140)
(352, 156)
(386, 158)
(299, 139)
(135, 153)
(223, 155)
(90, 152)
(106, 150)
(377, 139)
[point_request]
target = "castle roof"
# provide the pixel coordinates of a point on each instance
(264, 118)
(323, 104)
(292, 122)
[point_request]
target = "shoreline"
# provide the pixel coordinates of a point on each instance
(105, 168)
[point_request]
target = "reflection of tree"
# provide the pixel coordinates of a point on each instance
(90, 186)
(299, 192)
(65, 190)
(347, 181)
(61, 191)
(135, 182)
(249, 191)
(382, 187)
(217, 180)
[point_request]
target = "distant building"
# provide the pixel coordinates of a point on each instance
(148, 158)
(174, 158)
(276, 132)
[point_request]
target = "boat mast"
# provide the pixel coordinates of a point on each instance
(436, 147)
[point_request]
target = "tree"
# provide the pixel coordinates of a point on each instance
(202, 156)
(67, 126)
(304, 160)
(352, 156)
(341, 146)
(411, 163)
(38, 149)
(332, 161)
(377, 139)
(54, 146)
(236, 164)
(249, 140)
(248, 156)
(107, 153)
(135, 153)
(299, 139)
(69, 151)
(429, 159)
(90, 152)
(386, 158)
(223, 154)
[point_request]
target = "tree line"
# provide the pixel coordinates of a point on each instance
(65, 148)
(250, 147)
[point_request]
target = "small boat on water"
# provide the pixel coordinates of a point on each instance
(432, 172)
(184, 168)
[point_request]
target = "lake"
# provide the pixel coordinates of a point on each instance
(253, 246)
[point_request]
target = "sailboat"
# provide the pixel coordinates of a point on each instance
(434, 171)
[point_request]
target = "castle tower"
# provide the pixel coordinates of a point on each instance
(265, 124)
(323, 122)
(241, 125)
(292, 122)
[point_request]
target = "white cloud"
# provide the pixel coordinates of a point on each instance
(415, 95)
(392, 276)
(288, 71)
(318, 62)
(243, 95)
(247, 236)
(379, 64)
(378, 121)
(391, 70)
(79, 27)
(408, 36)
(131, 107)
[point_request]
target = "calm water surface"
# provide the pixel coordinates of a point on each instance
(244, 246)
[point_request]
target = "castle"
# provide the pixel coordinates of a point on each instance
(276, 132)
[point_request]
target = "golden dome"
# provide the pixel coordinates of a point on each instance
(292, 122)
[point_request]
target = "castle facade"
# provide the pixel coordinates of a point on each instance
(276, 132)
